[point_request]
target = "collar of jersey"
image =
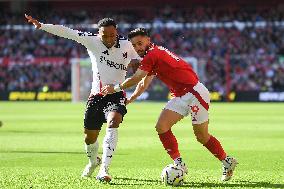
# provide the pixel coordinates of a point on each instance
(117, 44)
(150, 47)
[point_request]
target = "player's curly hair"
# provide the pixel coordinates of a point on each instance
(107, 22)
(138, 31)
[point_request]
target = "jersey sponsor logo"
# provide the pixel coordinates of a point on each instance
(112, 64)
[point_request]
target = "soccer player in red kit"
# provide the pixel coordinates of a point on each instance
(190, 96)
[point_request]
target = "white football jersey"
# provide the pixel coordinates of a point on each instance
(109, 65)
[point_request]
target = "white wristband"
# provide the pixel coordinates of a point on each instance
(117, 88)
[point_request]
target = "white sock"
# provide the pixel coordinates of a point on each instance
(109, 146)
(92, 151)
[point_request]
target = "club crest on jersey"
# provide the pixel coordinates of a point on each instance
(105, 52)
(124, 55)
(194, 109)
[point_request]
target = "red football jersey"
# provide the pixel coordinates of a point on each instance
(170, 69)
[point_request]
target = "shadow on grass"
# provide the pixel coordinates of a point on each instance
(245, 184)
(35, 131)
(133, 181)
(47, 152)
(40, 152)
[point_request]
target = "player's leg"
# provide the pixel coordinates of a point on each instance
(168, 117)
(215, 147)
(163, 127)
(92, 127)
(91, 144)
(109, 145)
(200, 119)
(210, 142)
(91, 148)
(114, 110)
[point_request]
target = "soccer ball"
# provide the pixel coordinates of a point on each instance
(172, 175)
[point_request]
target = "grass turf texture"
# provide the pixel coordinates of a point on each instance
(41, 146)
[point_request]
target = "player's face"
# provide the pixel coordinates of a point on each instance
(108, 35)
(140, 44)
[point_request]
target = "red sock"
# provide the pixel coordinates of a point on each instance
(170, 144)
(214, 146)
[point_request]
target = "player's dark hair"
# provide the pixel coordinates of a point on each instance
(138, 31)
(106, 22)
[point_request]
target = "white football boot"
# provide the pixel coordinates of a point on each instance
(103, 175)
(89, 169)
(229, 165)
(183, 166)
(178, 162)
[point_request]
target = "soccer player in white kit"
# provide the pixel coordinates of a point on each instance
(110, 55)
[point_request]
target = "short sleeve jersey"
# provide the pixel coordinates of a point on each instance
(177, 74)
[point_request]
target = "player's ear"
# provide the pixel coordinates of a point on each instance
(148, 40)
(100, 31)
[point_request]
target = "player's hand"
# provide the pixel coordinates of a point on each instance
(134, 65)
(108, 89)
(33, 21)
(127, 101)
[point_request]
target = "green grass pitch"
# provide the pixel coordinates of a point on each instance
(41, 146)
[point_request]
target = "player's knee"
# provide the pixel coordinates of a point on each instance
(90, 139)
(161, 128)
(91, 136)
(113, 123)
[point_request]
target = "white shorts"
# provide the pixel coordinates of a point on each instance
(196, 102)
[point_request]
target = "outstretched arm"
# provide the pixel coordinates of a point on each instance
(136, 78)
(60, 30)
(140, 88)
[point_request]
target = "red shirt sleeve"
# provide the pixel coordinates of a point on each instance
(148, 63)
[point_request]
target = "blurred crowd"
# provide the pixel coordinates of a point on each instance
(255, 54)
(30, 77)
(153, 14)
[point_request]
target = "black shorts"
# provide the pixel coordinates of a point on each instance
(98, 107)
